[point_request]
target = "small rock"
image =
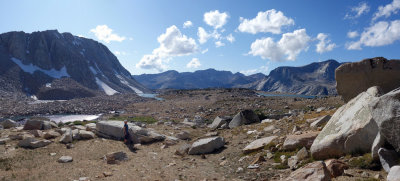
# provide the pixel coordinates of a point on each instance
(269, 128)
(211, 134)
(292, 162)
(115, 157)
(259, 144)
(66, 137)
(239, 170)
(183, 150)
(53, 154)
(183, 135)
(107, 174)
(69, 145)
(258, 159)
(302, 153)
(315, 171)
(320, 121)
(36, 133)
(65, 159)
(253, 166)
(86, 134)
(336, 167)
(267, 121)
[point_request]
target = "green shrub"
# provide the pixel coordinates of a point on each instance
(364, 162)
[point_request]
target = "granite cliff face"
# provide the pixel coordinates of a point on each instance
(313, 79)
(53, 65)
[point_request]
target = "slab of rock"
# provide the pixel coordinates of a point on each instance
(350, 129)
(386, 115)
(293, 142)
(33, 143)
(219, 121)
(336, 167)
(183, 135)
(354, 78)
(259, 144)
(65, 159)
(115, 157)
(150, 137)
(33, 124)
(86, 135)
(206, 145)
(114, 130)
(66, 137)
(394, 174)
(320, 121)
(8, 123)
(388, 158)
(75, 134)
(244, 117)
(51, 135)
(315, 171)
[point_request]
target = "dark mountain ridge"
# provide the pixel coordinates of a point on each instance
(53, 65)
(317, 78)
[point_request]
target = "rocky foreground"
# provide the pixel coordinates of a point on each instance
(218, 134)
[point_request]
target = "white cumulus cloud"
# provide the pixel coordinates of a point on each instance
(187, 24)
(269, 21)
(291, 44)
(379, 34)
(216, 19)
(219, 44)
(204, 35)
(172, 43)
(352, 34)
(194, 63)
(387, 10)
(104, 33)
(357, 11)
(230, 38)
(324, 44)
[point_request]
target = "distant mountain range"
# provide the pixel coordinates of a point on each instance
(53, 65)
(313, 79)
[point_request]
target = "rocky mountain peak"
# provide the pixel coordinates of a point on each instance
(41, 57)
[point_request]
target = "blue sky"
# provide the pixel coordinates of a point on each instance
(239, 36)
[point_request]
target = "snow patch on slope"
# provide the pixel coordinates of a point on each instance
(93, 70)
(107, 89)
(33, 68)
(123, 81)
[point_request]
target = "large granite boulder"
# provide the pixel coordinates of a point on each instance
(66, 137)
(351, 128)
(33, 124)
(206, 145)
(386, 115)
(244, 117)
(315, 171)
(357, 77)
(394, 174)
